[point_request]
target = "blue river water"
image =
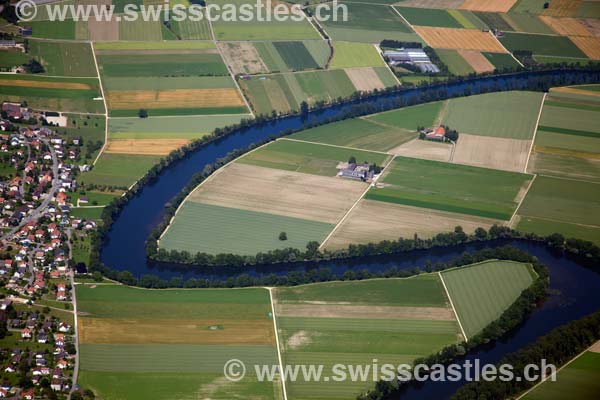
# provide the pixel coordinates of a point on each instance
(574, 287)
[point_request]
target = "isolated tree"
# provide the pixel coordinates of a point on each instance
(283, 236)
(304, 109)
(143, 113)
(352, 160)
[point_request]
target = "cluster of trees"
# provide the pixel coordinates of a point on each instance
(557, 347)
(527, 301)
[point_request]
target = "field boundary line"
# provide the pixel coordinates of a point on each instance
(177, 116)
(406, 21)
(512, 219)
(389, 68)
(215, 173)
(537, 123)
(564, 178)
(557, 371)
(453, 309)
(347, 214)
(232, 76)
(76, 329)
(282, 375)
(565, 222)
(313, 24)
(509, 52)
(105, 105)
(334, 145)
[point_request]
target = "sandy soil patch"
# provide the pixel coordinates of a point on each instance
(488, 5)
(364, 79)
(595, 347)
(592, 25)
(299, 339)
(491, 152)
(589, 45)
(174, 331)
(145, 146)
(133, 99)
(562, 8)
(242, 58)
(477, 61)
(566, 26)
(45, 84)
(103, 30)
(373, 221)
(443, 4)
(287, 193)
(369, 312)
(465, 39)
(424, 149)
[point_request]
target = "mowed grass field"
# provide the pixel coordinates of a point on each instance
(544, 45)
(350, 55)
(482, 292)
(67, 94)
(379, 132)
(561, 205)
(510, 115)
(455, 188)
(213, 229)
(308, 158)
(119, 170)
(370, 23)
(336, 322)
(138, 344)
(580, 380)
(64, 58)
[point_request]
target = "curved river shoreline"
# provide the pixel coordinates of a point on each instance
(574, 287)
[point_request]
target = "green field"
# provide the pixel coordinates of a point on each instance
(410, 117)
(195, 30)
(494, 20)
(457, 65)
(285, 92)
(307, 157)
(450, 187)
(190, 127)
(151, 366)
(91, 129)
(165, 83)
(53, 29)
(482, 292)
(212, 229)
(370, 23)
(467, 19)
(429, 17)
(64, 58)
(14, 58)
(42, 95)
(545, 45)
(295, 55)
(94, 213)
(571, 120)
(141, 30)
(358, 133)
(350, 55)
(347, 338)
(501, 60)
(579, 380)
(552, 202)
(119, 170)
(165, 45)
(507, 114)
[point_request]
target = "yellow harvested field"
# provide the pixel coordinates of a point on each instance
(242, 58)
(44, 84)
(488, 5)
(566, 26)
(174, 331)
(337, 310)
(100, 31)
(459, 39)
(373, 221)
(589, 45)
(287, 193)
(424, 149)
(492, 152)
(562, 8)
(592, 25)
(364, 79)
(158, 147)
(477, 61)
(188, 98)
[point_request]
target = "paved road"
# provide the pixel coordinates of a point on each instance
(35, 215)
(76, 336)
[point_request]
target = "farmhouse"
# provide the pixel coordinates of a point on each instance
(416, 57)
(352, 170)
(435, 134)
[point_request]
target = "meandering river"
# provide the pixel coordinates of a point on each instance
(574, 289)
